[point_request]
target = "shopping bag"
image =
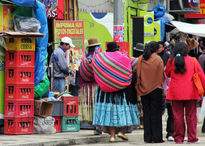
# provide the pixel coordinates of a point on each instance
(203, 109)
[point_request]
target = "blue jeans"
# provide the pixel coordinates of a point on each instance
(59, 85)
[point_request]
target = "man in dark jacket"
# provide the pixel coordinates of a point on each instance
(170, 120)
(202, 63)
(60, 64)
(202, 59)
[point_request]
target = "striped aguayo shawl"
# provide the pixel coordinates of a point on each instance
(86, 66)
(112, 71)
(134, 63)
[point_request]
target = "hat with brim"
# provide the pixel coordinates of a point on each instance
(93, 42)
(112, 46)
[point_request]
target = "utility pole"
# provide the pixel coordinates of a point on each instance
(118, 12)
(118, 29)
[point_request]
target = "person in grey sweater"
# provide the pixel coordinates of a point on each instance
(60, 64)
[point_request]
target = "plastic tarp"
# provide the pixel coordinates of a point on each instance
(193, 29)
(163, 21)
(41, 49)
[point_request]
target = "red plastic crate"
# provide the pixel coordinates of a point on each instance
(70, 106)
(18, 125)
(16, 108)
(19, 92)
(19, 75)
(57, 123)
(20, 58)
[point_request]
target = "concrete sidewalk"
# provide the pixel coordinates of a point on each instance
(84, 137)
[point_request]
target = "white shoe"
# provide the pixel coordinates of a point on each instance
(197, 142)
(170, 138)
(185, 139)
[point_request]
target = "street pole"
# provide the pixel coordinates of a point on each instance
(118, 12)
(118, 28)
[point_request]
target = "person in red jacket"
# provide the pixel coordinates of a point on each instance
(183, 93)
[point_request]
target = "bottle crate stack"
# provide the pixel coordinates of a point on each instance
(19, 85)
(69, 121)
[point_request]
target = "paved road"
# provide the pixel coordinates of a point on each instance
(85, 137)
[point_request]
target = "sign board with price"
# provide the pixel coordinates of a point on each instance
(54, 8)
(74, 30)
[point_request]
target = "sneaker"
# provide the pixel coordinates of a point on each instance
(170, 138)
(122, 136)
(196, 142)
(185, 139)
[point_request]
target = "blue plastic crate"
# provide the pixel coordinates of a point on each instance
(57, 108)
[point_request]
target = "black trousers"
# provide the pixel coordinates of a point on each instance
(170, 121)
(152, 116)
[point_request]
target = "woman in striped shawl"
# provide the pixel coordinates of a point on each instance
(88, 85)
(116, 112)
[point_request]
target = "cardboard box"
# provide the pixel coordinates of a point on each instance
(43, 108)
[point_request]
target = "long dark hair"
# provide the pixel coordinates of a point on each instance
(179, 52)
(150, 48)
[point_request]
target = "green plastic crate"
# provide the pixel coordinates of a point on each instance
(70, 124)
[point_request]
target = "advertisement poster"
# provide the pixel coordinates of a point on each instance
(6, 21)
(118, 33)
(201, 14)
(74, 30)
(54, 8)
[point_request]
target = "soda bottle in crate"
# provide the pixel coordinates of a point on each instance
(18, 125)
(19, 75)
(20, 58)
(71, 105)
(15, 108)
(70, 124)
(19, 92)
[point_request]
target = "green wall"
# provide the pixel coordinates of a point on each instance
(130, 9)
(92, 29)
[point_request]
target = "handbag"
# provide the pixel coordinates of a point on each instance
(197, 80)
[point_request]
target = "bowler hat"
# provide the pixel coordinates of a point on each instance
(93, 42)
(112, 46)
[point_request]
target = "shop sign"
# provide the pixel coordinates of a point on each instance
(201, 14)
(184, 6)
(74, 30)
(118, 33)
(54, 8)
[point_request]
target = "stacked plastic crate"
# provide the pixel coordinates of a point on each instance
(69, 121)
(19, 85)
(57, 114)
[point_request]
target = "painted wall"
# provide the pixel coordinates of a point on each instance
(97, 25)
(130, 9)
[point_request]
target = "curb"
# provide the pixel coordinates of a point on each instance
(65, 142)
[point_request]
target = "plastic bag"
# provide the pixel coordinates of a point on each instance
(168, 16)
(42, 87)
(203, 109)
(44, 125)
(26, 24)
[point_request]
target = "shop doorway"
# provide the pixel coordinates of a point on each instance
(137, 30)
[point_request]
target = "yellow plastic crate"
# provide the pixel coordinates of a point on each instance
(20, 43)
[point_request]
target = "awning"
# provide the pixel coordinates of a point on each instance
(193, 29)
